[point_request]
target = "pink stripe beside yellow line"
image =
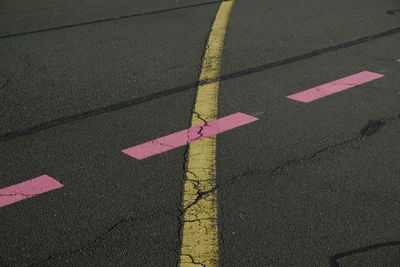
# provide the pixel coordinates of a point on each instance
(188, 136)
(334, 87)
(27, 189)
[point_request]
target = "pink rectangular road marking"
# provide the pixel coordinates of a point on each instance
(28, 189)
(188, 136)
(327, 89)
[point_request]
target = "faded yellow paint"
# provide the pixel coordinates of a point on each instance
(200, 218)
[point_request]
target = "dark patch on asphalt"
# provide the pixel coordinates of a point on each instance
(393, 12)
(333, 261)
(147, 98)
(371, 127)
(107, 20)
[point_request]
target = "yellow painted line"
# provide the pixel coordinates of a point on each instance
(200, 218)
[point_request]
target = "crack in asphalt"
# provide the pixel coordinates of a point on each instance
(5, 84)
(185, 169)
(100, 237)
(322, 150)
(311, 156)
(314, 154)
(199, 182)
(275, 171)
(333, 261)
(192, 259)
(202, 194)
(200, 118)
(158, 142)
(188, 140)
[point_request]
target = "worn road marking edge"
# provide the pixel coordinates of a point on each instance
(200, 243)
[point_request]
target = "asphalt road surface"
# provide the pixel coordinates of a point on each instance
(306, 184)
